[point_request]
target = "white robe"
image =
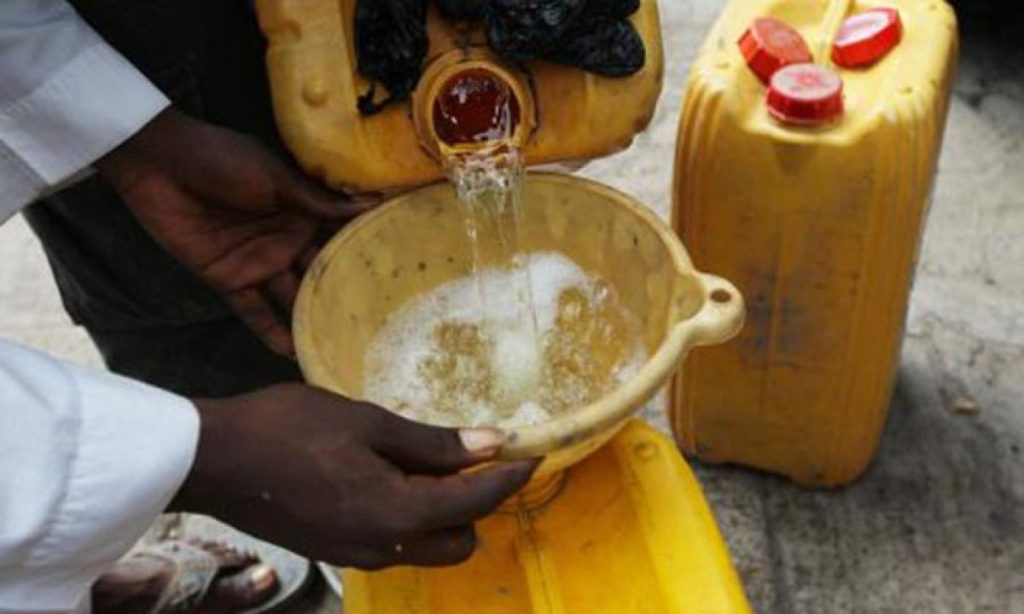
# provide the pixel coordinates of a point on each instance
(87, 459)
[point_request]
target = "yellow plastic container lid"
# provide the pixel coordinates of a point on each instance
(629, 532)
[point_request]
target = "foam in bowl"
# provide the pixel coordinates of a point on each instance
(472, 352)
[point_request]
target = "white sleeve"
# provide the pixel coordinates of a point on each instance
(66, 99)
(87, 461)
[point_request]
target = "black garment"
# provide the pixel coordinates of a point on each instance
(151, 318)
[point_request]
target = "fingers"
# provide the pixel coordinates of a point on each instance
(446, 547)
(284, 288)
(296, 192)
(273, 244)
(325, 232)
(306, 258)
(253, 308)
(429, 450)
(268, 246)
(462, 499)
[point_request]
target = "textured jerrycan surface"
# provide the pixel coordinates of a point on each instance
(311, 61)
(629, 533)
(819, 228)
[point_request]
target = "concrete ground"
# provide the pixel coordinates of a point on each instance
(937, 524)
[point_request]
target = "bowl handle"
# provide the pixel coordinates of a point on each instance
(721, 314)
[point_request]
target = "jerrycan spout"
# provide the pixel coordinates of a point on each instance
(464, 106)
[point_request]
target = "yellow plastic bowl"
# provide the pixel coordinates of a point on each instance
(416, 241)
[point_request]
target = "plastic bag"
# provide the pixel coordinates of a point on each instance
(618, 9)
(465, 10)
(520, 30)
(601, 45)
(594, 35)
(391, 44)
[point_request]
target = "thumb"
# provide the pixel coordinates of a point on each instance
(429, 450)
(298, 193)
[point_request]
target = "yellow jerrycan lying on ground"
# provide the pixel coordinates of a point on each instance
(567, 114)
(818, 226)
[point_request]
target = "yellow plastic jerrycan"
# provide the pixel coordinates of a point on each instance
(568, 115)
(819, 227)
(629, 533)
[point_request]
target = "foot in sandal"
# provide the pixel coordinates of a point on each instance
(203, 577)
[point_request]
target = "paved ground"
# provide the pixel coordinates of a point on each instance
(937, 525)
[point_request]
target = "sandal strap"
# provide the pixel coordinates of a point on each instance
(194, 571)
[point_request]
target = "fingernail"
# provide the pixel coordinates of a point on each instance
(480, 441)
(262, 577)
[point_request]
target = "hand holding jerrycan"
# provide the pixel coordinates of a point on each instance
(808, 186)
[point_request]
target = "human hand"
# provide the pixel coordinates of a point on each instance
(343, 481)
(232, 213)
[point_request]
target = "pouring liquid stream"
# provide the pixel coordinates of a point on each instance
(526, 336)
(476, 118)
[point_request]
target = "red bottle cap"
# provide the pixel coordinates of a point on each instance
(769, 44)
(867, 37)
(805, 94)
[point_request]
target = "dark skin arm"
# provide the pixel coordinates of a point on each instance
(240, 219)
(332, 479)
(343, 481)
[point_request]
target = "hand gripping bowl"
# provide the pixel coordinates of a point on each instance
(416, 241)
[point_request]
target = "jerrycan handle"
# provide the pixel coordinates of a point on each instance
(834, 16)
(720, 316)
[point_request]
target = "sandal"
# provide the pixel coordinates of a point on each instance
(294, 573)
(178, 577)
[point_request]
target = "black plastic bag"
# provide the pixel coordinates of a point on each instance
(601, 45)
(464, 10)
(618, 9)
(520, 30)
(594, 35)
(391, 44)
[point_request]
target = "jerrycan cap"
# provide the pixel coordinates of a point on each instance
(867, 37)
(805, 94)
(769, 44)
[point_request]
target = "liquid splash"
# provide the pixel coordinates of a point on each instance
(523, 338)
(442, 360)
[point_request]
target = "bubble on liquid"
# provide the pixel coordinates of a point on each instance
(527, 413)
(442, 359)
(515, 365)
